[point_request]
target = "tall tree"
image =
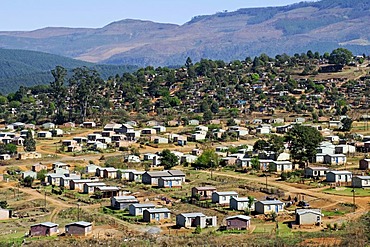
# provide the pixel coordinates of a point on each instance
(303, 141)
(29, 143)
(340, 56)
(58, 91)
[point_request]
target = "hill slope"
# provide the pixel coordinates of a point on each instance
(320, 26)
(27, 68)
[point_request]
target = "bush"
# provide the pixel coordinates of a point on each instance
(197, 230)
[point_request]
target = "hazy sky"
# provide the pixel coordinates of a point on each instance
(34, 14)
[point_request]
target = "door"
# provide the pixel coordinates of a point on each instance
(170, 184)
(277, 208)
(157, 217)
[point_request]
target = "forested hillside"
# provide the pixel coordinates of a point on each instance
(28, 68)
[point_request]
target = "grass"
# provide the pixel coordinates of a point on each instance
(282, 231)
(347, 192)
(333, 213)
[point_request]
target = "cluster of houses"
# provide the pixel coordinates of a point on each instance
(79, 228)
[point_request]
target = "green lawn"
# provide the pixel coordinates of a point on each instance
(283, 230)
(348, 192)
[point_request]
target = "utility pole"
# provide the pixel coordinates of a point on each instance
(354, 198)
(44, 198)
(78, 211)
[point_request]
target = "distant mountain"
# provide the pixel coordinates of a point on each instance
(319, 26)
(28, 68)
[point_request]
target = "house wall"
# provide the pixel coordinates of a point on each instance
(182, 221)
(360, 183)
(147, 217)
(240, 205)
(4, 214)
(264, 209)
(40, 230)
(237, 224)
(78, 230)
(307, 219)
(364, 165)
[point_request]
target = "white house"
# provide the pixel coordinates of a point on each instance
(241, 203)
(335, 159)
(280, 166)
(361, 182)
(339, 176)
(269, 206)
(223, 197)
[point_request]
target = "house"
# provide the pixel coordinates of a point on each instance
(136, 209)
(149, 156)
(243, 163)
(228, 161)
(269, 206)
(48, 126)
(159, 129)
(90, 188)
(240, 131)
(38, 167)
(280, 166)
(89, 124)
(104, 139)
(188, 159)
(93, 136)
(54, 179)
(5, 214)
(80, 228)
(44, 134)
(314, 172)
(361, 182)
(132, 158)
(195, 219)
(78, 184)
(335, 159)
(80, 140)
(224, 197)
(28, 155)
(31, 174)
(122, 202)
(125, 128)
(57, 132)
(59, 164)
(18, 140)
(265, 164)
(345, 149)
(335, 124)
(170, 182)
(283, 129)
(241, 203)
(198, 137)
(193, 122)
(332, 138)
(238, 222)
(202, 193)
(112, 127)
(124, 173)
(69, 125)
(133, 136)
(108, 191)
(263, 130)
(44, 229)
(106, 172)
(148, 131)
(300, 120)
(91, 168)
(66, 143)
(136, 176)
(4, 156)
(65, 181)
(152, 177)
(364, 164)
(308, 216)
(100, 145)
(160, 140)
(156, 214)
(338, 176)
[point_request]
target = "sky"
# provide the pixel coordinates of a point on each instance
(22, 15)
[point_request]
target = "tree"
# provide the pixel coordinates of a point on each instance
(41, 175)
(207, 116)
(303, 141)
(3, 204)
(346, 124)
(255, 163)
(340, 56)
(208, 159)
(11, 148)
(29, 143)
(28, 181)
(59, 91)
(260, 145)
(168, 160)
(250, 202)
(276, 144)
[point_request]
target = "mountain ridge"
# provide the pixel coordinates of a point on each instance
(321, 26)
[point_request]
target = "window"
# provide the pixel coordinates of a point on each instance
(224, 198)
(165, 215)
(268, 207)
(153, 216)
(140, 210)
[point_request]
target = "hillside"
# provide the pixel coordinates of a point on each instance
(28, 68)
(320, 26)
